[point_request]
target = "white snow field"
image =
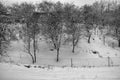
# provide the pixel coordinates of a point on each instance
(15, 72)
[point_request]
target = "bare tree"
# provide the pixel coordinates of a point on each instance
(4, 29)
(53, 25)
(22, 13)
(73, 20)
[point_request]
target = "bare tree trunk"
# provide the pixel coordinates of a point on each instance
(34, 47)
(104, 40)
(33, 61)
(0, 47)
(29, 44)
(73, 42)
(73, 50)
(58, 46)
(89, 38)
(57, 54)
(116, 31)
(54, 45)
(119, 43)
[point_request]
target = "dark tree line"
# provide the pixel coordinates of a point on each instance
(4, 29)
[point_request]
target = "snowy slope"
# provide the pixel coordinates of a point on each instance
(101, 49)
(85, 54)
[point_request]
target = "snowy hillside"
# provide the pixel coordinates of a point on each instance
(93, 54)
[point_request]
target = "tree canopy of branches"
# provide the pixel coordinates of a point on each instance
(23, 13)
(73, 20)
(4, 30)
(53, 25)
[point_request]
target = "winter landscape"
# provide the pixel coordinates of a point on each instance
(60, 40)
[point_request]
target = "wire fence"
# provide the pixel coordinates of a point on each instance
(95, 62)
(82, 62)
(71, 62)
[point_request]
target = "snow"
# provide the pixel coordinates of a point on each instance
(82, 57)
(15, 72)
(91, 66)
(94, 54)
(104, 50)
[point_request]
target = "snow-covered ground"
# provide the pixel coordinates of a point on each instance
(83, 55)
(94, 56)
(15, 72)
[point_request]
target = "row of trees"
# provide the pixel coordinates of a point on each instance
(4, 29)
(52, 20)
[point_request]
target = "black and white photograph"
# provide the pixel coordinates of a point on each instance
(59, 39)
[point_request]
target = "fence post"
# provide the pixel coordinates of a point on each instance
(71, 62)
(108, 61)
